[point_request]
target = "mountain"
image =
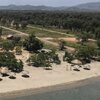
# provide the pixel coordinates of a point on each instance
(30, 7)
(93, 6)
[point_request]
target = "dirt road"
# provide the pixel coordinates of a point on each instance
(42, 39)
(25, 34)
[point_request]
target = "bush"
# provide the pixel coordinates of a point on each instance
(41, 59)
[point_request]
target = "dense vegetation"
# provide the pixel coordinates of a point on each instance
(87, 25)
(44, 59)
(74, 21)
(8, 59)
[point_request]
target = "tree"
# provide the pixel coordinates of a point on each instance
(17, 40)
(97, 32)
(3, 21)
(98, 43)
(62, 45)
(56, 59)
(86, 53)
(8, 45)
(84, 36)
(38, 60)
(23, 24)
(8, 60)
(32, 43)
(18, 50)
(18, 66)
(43, 59)
(0, 31)
(68, 57)
(16, 25)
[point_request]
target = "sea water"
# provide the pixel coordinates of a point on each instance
(90, 91)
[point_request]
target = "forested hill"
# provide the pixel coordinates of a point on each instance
(94, 6)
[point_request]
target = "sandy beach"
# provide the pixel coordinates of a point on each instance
(40, 78)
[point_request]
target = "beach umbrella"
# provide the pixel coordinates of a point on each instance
(4, 70)
(87, 67)
(48, 68)
(25, 72)
(12, 75)
(76, 62)
(0, 77)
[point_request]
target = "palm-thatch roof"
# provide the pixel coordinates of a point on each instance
(45, 50)
(4, 70)
(76, 62)
(9, 36)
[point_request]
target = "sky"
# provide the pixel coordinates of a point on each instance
(54, 3)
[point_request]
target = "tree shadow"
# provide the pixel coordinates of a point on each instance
(86, 68)
(1, 79)
(76, 70)
(25, 76)
(12, 77)
(5, 75)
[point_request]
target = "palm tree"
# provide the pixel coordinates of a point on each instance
(62, 45)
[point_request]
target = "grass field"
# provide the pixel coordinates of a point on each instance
(53, 29)
(78, 45)
(42, 33)
(47, 32)
(56, 30)
(7, 32)
(49, 46)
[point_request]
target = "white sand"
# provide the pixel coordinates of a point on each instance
(43, 78)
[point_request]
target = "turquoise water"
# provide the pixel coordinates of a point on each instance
(89, 91)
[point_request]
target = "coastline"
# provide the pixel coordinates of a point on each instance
(33, 91)
(44, 81)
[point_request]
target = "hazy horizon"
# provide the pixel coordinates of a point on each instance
(53, 3)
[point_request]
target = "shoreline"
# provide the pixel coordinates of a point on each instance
(42, 81)
(33, 91)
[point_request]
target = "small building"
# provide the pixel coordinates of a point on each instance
(10, 37)
(45, 50)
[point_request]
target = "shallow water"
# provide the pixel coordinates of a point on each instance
(90, 91)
